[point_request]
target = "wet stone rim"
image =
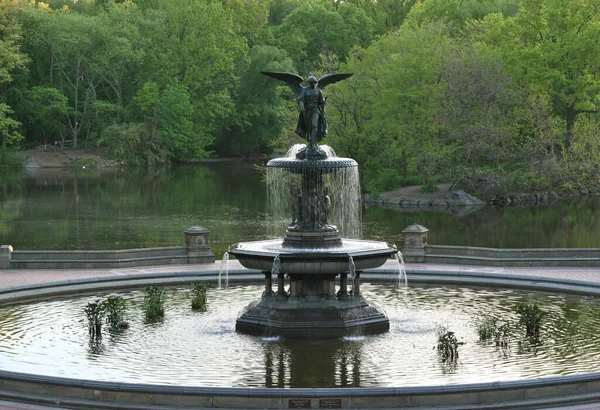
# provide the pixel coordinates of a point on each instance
(308, 163)
(532, 393)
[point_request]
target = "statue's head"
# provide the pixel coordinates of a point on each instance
(312, 80)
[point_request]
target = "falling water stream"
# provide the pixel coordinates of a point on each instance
(224, 270)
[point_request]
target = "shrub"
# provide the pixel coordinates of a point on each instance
(95, 312)
(199, 296)
(115, 308)
(89, 161)
(428, 187)
(486, 327)
(154, 303)
(531, 317)
(447, 344)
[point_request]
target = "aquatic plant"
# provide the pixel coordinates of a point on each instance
(531, 317)
(447, 344)
(115, 308)
(94, 311)
(490, 328)
(154, 303)
(199, 295)
(486, 327)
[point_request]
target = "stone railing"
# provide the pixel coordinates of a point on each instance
(197, 250)
(417, 250)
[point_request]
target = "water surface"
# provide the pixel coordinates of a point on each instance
(202, 348)
(139, 207)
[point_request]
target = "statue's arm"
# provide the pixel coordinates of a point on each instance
(301, 100)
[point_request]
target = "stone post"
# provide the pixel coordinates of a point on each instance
(343, 292)
(415, 241)
(196, 240)
(356, 284)
(5, 255)
(268, 284)
(281, 286)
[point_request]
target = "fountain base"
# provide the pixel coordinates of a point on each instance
(305, 317)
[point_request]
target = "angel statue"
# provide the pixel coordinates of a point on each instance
(312, 124)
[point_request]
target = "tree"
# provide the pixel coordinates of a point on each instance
(478, 108)
(258, 104)
(9, 128)
(315, 29)
(554, 46)
(45, 109)
(387, 112)
(456, 13)
(11, 59)
(174, 113)
(205, 53)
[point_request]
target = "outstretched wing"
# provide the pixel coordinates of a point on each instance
(294, 81)
(332, 78)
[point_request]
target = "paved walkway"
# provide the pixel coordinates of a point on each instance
(19, 277)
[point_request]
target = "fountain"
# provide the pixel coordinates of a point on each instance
(312, 255)
(317, 266)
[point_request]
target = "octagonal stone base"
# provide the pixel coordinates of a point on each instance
(325, 318)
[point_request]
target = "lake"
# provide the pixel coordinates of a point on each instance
(135, 207)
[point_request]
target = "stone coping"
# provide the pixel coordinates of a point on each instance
(77, 393)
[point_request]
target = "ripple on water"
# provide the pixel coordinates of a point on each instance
(203, 349)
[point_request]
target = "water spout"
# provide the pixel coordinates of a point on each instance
(224, 268)
(351, 271)
(276, 264)
(400, 271)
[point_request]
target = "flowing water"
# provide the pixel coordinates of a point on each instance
(140, 207)
(193, 348)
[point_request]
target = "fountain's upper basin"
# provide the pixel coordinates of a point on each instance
(324, 164)
(326, 260)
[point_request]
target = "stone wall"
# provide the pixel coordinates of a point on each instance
(197, 250)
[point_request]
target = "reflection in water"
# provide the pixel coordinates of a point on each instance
(310, 363)
(143, 207)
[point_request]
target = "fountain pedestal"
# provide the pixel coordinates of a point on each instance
(312, 257)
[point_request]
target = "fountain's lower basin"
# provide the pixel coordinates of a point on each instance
(312, 308)
(310, 261)
(527, 383)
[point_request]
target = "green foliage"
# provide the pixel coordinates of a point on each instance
(134, 144)
(490, 328)
(199, 295)
(486, 327)
(176, 129)
(110, 310)
(429, 187)
(531, 317)
(504, 87)
(115, 309)
(313, 29)
(11, 56)
(259, 103)
(9, 128)
(10, 160)
(447, 344)
(459, 12)
(88, 161)
(45, 109)
(154, 304)
(95, 313)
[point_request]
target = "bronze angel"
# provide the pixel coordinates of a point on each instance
(312, 123)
